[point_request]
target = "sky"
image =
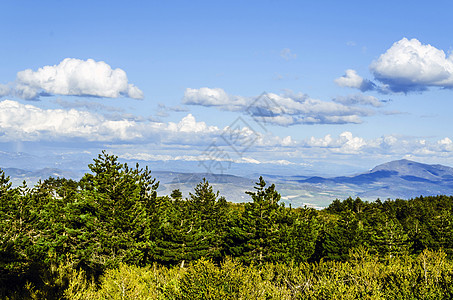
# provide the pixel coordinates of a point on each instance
(308, 86)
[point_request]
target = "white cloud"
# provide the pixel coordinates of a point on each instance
(445, 145)
(78, 78)
(359, 99)
(214, 97)
(410, 65)
(189, 124)
(350, 79)
(386, 146)
(28, 122)
(31, 123)
(350, 143)
(197, 158)
(353, 80)
(345, 143)
(287, 141)
(4, 90)
(320, 142)
(284, 109)
(188, 139)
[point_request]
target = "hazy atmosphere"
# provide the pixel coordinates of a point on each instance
(290, 87)
(226, 150)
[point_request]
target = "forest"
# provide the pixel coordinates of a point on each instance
(111, 236)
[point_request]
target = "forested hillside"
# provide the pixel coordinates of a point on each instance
(67, 239)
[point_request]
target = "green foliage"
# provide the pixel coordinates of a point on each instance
(176, 194)
(193, 228)
(426, 276)
(265, 225)
(114, 216)
(110, 235)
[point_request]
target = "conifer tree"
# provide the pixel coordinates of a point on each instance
(264, 224)
(193, 228)
(346, 234)
(120, 204)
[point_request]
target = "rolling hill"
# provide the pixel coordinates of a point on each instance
(396, 179)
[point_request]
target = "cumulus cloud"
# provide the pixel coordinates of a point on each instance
(284, 109)
(353, 80)
(4, 90)
(31, 123)
(410, 65)
(77, 78)
(28, 122)
(330, 149)
(20, 122)
(214, 97)
(387, 146)
(190, 137)
(445, 145)
(189, 124)
(359, 99)
(345, 143)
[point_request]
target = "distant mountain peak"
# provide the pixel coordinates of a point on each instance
(405, 167)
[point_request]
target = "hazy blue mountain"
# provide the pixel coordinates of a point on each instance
(396, 179)
(230, 186)
(417, 171)
(18, 176)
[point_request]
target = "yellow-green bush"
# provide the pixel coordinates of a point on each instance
(426, 276)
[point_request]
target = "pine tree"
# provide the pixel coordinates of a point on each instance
(193, 228)
(120, 204)
(347, 233)
(264, 225)
(302, 234)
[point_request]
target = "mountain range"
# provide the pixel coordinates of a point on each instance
(396, 179)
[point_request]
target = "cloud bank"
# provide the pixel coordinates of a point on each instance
(189, 139)
(284, 109)
(30, 123)
(75, 77)
(359, 99)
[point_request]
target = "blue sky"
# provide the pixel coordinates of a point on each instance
(350, 84)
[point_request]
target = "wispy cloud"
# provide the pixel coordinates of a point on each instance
(87, 105)
(287, 54)
(284, 109)
(359, 99)
(164, 109)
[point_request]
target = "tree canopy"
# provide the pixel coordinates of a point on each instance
(114, 216)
